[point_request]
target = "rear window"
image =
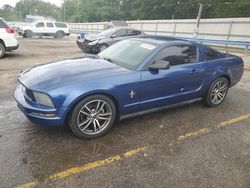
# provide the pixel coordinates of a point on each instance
(3, 24)
(61, 25)
(211, 54)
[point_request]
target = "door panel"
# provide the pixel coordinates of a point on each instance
(39, 28)
(50, 28)
(181, 82)
(170, 86)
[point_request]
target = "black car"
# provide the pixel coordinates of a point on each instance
(97, 43)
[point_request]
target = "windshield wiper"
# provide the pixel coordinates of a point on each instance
(108, 59)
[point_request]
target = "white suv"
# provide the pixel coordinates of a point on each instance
(45, 28)
(8, 40)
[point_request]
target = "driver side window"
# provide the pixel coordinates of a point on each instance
(121, 33)
(178, 55)
(40, 24)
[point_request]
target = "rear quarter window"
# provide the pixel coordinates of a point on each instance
(132, 32)
(61, 25)
(3, 24)
(211, 54)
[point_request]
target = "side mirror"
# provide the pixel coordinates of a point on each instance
(159, 64)
(113, 36)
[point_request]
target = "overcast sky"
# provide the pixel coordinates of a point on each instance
(13, 2)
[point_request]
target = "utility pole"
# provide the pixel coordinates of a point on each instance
(198, 20)
(30, 7)
(64, 17)
(20, 11)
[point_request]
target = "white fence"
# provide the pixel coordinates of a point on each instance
(221, 29)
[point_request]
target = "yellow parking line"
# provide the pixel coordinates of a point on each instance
(133, 152)
(95, 164)
(85, 167)
(194, 133)
(28, 185)
(206, 130)
(234, 120)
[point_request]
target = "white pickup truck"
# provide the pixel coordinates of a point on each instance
(45, 28)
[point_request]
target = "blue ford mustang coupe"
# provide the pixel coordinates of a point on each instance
(132, 77)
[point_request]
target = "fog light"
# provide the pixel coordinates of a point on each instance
(43, 115)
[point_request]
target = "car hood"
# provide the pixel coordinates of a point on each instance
(63, 73)
(93, 37)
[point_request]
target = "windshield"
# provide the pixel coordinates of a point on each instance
(108, 32)
(128, 53)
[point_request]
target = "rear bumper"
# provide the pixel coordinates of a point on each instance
(9, 48)
(36, 113)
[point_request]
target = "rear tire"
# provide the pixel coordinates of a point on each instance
(93, 117)
(59, 35)
(217, 92)
(2, 50)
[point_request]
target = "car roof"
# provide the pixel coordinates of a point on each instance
(118, 28)
(47, 21)
(162, 41)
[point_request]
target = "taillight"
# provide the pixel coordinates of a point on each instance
(10, 30)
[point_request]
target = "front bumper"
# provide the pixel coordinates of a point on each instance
(34, 112)
(84, 46)
(20, 32)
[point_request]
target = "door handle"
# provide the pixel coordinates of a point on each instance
(193, 71)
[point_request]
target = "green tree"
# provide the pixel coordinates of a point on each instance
(37, 7)
(106, 10)
(8, 13)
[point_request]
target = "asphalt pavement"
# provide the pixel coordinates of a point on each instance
(189, 146)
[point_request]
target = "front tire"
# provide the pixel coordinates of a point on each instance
(102, 47)
(28, 34)
(217, 92)
(93, 117)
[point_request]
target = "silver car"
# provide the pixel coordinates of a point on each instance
(96, 43)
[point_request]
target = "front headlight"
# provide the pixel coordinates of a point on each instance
(94, 42)
(43, 99)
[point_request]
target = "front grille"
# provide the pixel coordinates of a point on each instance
(86, 41)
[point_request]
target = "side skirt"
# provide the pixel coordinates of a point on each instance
(158, 109)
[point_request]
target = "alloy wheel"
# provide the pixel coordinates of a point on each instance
(94, 117)
(103, 47)
(218, 92)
